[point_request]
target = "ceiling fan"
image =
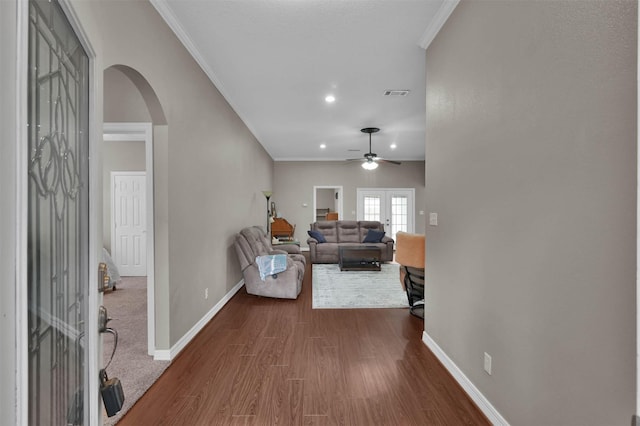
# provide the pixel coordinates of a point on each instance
(371, 159)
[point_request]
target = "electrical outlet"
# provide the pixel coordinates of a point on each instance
(487, 363)
(206, 293)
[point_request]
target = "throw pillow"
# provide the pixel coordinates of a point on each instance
(373, 236)
(317, 235)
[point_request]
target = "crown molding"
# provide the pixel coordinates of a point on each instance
(441, 16)
(169, 17)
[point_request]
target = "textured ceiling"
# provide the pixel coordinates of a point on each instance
(276, 60)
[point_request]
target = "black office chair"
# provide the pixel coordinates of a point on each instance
(410, 254)
(414, 286)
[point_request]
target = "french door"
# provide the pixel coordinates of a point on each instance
(58, 219)
(392, 207)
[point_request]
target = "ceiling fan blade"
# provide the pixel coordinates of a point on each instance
(356, 159)
(382, 160)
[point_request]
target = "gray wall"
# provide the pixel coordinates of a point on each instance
(8, 161)
(294, 182)
(210, 166)
(122, 100)
(117, 156)
(531, 165)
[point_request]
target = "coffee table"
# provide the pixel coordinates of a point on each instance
(359, 258)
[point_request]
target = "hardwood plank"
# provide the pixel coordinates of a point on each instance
(264, 361)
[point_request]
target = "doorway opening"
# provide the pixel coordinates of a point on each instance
(127, 134)
(327, 200)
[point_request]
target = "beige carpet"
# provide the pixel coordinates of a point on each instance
(136, 370)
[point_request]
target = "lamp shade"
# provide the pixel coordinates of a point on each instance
(267, 194)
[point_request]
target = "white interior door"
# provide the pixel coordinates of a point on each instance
(393, 207)
(129, 239)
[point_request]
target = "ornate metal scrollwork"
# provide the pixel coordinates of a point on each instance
(53, 164)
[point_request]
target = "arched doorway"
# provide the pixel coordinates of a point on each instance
(134, 125)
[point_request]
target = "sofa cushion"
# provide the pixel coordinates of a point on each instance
(257, 244)
(348, 231)
(317, 235)
(365, 225)
(373, 236)
(328, 229)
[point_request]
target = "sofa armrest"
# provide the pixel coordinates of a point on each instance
(278, 251)
(386, 240)
(313, 246)
(289, 248)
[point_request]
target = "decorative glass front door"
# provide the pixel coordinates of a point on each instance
(58, 224)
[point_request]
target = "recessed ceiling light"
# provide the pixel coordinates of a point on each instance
(330, 99)
(393, 146)
(322, 146)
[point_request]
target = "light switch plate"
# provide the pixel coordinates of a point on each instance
(487, 363)
(433, 219)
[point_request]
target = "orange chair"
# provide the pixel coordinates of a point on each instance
(410, 254)
(332, 216)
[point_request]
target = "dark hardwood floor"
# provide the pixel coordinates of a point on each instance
(266, 361)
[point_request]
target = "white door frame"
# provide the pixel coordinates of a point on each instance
(95, 229)
(637, 413)
(142, 132)
(338, 189)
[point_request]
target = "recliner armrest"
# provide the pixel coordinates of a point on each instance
(289, 248)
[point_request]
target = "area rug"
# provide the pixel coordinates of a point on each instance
(136, 370)
(335, 289)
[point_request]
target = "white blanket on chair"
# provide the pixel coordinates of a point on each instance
(271, 264)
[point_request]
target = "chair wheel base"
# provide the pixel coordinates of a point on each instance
(417, 309)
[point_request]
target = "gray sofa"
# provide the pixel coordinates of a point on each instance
(252, 242)
(345, 233)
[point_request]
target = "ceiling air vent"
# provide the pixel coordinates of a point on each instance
(396, 93)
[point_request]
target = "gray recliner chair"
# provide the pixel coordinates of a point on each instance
(252, 242)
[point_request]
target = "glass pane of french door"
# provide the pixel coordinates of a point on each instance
(392, 207)
(372, 204)
(399, 214)
(58, 220)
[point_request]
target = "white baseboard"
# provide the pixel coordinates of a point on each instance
(162, 355)
(168, 355)
(481, 401)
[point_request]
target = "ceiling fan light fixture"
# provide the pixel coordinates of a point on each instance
(370, 165)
